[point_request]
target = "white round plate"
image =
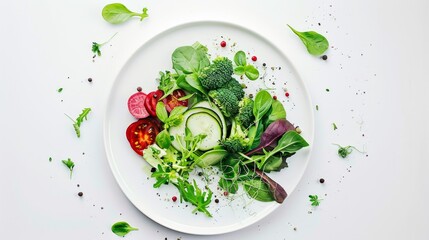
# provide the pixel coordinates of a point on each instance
(132, 173)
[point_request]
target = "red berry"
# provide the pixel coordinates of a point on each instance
(223, 44)
(275, 97)
(174, 198)
(254, 58)
(287, 94)
(225, 193)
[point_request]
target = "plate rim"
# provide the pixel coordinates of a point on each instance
(123, 186)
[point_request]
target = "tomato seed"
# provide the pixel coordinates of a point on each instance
(254, 58)
(223, 44)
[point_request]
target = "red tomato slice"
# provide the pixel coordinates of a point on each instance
(151, 101)
(172, 100)
(136, 105)
(142, 133)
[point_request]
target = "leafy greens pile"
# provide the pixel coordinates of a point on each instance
(258, 139)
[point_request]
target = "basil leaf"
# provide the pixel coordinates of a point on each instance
(251, 72)
(122, 228)
(315, 43)
(117, 13)
(240, 58)
(161, 112)
(258, 190)
(163, 139)
(239, 70)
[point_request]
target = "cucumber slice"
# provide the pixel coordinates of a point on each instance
(204, 123)
(214, 108)
(180, 129)
(212, 157)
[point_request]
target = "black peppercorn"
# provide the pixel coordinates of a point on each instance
(80, 194)
(322, 180)
(324, 57)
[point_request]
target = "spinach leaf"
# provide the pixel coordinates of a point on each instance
(188, 60)
(251, 72)
(262, 105)
(122, 228)
(240, 58)
(258, 190)
(117, 13)
(315, 43)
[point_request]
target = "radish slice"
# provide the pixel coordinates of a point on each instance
(136, 105)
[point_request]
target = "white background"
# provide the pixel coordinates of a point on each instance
(376, 74)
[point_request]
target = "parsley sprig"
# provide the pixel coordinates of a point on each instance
(345, 151)
(96, 46)
(76, 123)
(315, 200)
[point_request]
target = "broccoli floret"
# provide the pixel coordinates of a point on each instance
(245, 114)
(217, 74)
(235, 87)
(237, 140)
(226, 101)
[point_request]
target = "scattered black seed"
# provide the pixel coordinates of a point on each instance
(80, 194)
(102, 208)
(319, 24)
(250, 95)
(78, 185)
(327, 89)
(200, 174)
(324, 57)
(216, 200)
(264, 64)
(139, 89)
(322, 180)
(294, 228)
(153, 169)
(89, 79)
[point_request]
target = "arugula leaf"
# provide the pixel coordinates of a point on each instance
(122, 228)
(83, 116)
(117, 13)
(162, 176)
(69, 164)
(193, 194)
(315, 201)
(315, 43)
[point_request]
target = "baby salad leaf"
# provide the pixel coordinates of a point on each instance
(122, 228)
(277, 191)
(163, 139)
(240, 58)
(258, 190)
(315, 43)
(69, 164)
(243, 68)
(117, 13)
(161, 112)
(228, 185)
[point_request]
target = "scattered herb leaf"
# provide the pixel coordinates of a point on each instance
(69, 164)
(334, 126)
(315, 43)
(96, 47)
(345, 151)
(243, 68)
(50, 159)
(60, 90)
(116, 13)
(83, 116)
(122, 228)
(315, 201)
(317, 107)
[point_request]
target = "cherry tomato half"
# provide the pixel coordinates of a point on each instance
(151, 101)
(142, 133)
(172, 100)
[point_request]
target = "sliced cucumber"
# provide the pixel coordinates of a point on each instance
(204, 123)
(212, 157)
(180, 129)
(214, 108)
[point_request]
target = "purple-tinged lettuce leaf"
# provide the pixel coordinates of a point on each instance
(276, 189)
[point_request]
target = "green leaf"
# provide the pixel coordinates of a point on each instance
(193, 194)
(83, 116)
(69, 164)
(161, 112)
(240, 58)
(163, 139)
(60, 90)
(188, 60)
(239, 70)
(258, 190)
(117, 13)
(315, 43)
(122, 228)
(276, 112)
(262, 105)
(334, 126)
(229, 186)
(315, 201)
(251, 72)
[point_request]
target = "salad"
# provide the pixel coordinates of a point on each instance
(200, 117)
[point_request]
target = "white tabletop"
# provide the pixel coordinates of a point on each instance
(377, 84)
